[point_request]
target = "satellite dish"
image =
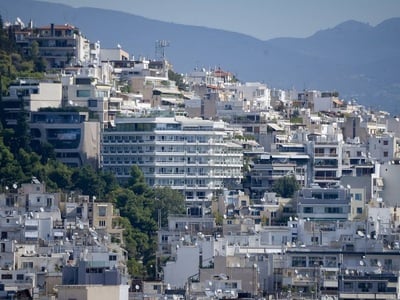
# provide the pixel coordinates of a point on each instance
(379, 264)
(362, 263)
(15, 186)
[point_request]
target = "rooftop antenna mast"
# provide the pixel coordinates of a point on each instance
(160, 49)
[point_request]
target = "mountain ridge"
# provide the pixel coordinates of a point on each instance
(347, 58)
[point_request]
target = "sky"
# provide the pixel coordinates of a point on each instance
(262, 19)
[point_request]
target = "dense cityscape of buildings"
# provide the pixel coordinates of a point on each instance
(222, 143)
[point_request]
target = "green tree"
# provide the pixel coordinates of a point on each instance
(110, 180)
(10, 170)
(58, 175)
(286, 186)
(141, 238)
(30, 164)
(88, 181)
(179, 80)
(137, 181)
(21, 134)
(167, 201)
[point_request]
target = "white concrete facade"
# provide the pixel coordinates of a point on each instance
(191, 155)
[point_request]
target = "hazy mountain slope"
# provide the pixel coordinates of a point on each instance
(354, 58)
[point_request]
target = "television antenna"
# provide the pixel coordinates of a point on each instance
(160, 49)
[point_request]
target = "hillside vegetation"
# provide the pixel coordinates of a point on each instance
(139, 205)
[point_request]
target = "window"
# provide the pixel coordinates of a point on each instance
(330, 261)
(385, 154)
(299, 261)
(381, 287)
(333, 210)
(308, 210)
(27, 265)
(348, 286)
(112, 258)
(331, 196)
(359, 210)
(314, 240)
(82, 93)
(316, 195)
(92, 103)
(6, 276)
(102, 223)
(385, 142)
(20, 276)
(364, 286)
(102, 211)
(358, 196)
(315, 261)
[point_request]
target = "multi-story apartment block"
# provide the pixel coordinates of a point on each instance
(356, 159)
(327, 155)
(74, 137)
(269, 167)
(327, 101)
(306, 98)
(90, 87)
(383, 147)
(194, 156)
(111, 54)
(318, 203)
(352, 128)
(30, 95)
(59, 45)
(257, 95)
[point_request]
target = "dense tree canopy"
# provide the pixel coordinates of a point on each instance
(285, 186)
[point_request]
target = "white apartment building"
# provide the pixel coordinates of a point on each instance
(324, 204)
(34, 95)
(110, 54)
(258, 95)
(86, 90)
(194, 156)
(60, 45)
(383, 147)
(327, 153)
